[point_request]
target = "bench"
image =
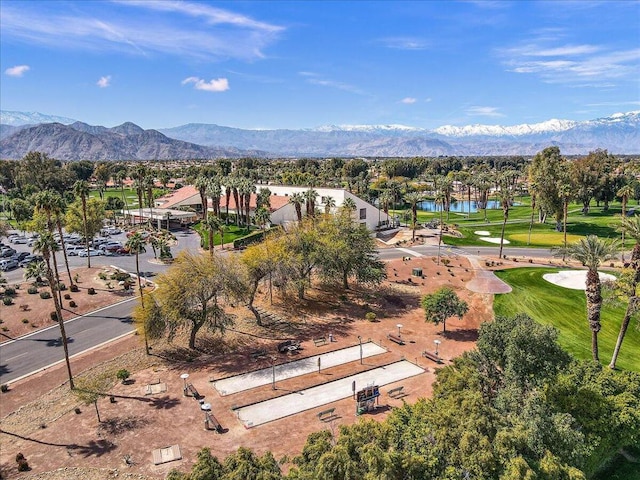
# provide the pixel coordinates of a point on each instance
(320, 341)
(397, 392)
(327, 414)
(258, 354)
(190, 391)
(211, 423)
(432, 356)
(396, 339)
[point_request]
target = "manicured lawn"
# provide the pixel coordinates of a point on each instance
(621, 469)
(565, 309)
(231, 233)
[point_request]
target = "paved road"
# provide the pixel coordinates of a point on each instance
(31, 353)
(41, 349)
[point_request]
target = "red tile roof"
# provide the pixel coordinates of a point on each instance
(276, 201)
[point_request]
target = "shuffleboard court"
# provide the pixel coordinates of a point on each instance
(269, 410)
(246, 381)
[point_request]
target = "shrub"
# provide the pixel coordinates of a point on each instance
(10, 291)
(74, 288)
(45, 295)
(120, 276)
(62, 287)
(25, 321)
(72, 304)
(32, 290)
(7, 301)
(5, 329)
(123, 375)
(370, 316)
(67, 296)
(102, 276)
(53, 316)
(4, 388)
(91, 291)
(23, 466)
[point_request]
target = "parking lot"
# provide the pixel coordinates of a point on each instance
(185, 240)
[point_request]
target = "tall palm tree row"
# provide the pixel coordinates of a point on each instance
(136, 245)
(46, 245)
(413, 198)
(297, 199)
(624, 193)
(592, 252)
(81, 189)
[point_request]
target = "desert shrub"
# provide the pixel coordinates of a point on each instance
(120, 276)
(123, 374)
(25, 321)
(53, 316)
(4, 388)
(74, 288)
(11, 291)
(32, 290)
(102, 276)
(23, 466)
(67, 296)
(7, 301)
(72, 304)
(91, 291)
(62, 287)
(45, 295)
(371, 316)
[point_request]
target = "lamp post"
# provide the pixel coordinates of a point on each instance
(184, 377)
(360, 341)
(399, 327)
(273, 373)
(437, 342)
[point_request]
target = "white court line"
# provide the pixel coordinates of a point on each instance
(269, 410)
(246, 381)
(410, 252)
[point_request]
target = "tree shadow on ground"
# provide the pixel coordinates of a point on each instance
(117, 426)
(93, 448)
(463, 335)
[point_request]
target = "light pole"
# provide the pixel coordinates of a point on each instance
(360, 341)
(437, 342)
(184, 377)
(399, 327)
(273, 373)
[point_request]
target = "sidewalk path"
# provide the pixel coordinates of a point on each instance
(246, 381)
(485, 281)
(269, 410)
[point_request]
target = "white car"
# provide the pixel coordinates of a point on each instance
(75, 249)
(91, 253)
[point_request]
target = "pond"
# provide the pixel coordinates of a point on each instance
(457, 207)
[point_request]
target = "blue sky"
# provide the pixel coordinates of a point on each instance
(302, 64)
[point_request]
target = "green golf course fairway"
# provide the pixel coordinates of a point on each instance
(565, 309)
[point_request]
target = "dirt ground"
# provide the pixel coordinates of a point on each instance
(29, 312)
(52, 436)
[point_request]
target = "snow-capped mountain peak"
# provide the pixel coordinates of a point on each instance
(368, 128)
(31, 118)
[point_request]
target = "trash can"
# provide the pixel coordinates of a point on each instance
(416, 272)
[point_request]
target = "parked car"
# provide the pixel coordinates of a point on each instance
(18, 257)
(99, 241)
(73, 250)
(122, 251)
(21, 240)
(92, 253)
(7, 252)
(8, 264)
(110, 246)
(30, 259)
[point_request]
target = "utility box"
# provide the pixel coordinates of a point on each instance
(416, 272)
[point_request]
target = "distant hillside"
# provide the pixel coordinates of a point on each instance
(80, 141)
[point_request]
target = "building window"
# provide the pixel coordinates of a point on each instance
(363, 214)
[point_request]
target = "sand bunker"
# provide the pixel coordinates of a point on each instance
(493, 240)
(482, 233)
(574, 279)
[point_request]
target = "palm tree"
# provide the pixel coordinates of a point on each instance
(532, 190)
(329, 203)
(119, 179)
(35, 270)
(47, 246)
(624, 193)
(262, 217)
(45, 201)
(81, 189)
(247, 188)
(297, 199)
(506, 197)
(211, 224)
(310, 199)
(149, 183)
(58, 206)
(632, 227)
(136, 244)
(201, 184)
(214, 190)
(591, 252)
(413, 198)
(349, 205)
(565, 191)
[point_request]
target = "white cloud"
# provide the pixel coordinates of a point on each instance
(408, 100)
(142, 28)
(213, 85)
(405, 43)
(477, 111)
(104, 82)
(17, 71)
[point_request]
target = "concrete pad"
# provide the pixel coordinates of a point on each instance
(246, 381)
(485, 281)
(574, 279)
(269, 410)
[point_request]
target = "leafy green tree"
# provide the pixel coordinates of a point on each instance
(86, 222)
(191, 293)
(443, 304)
(82, 170)
(91, 387)
(38, 172)
(591, 252)
(544, 172)
(21, 210)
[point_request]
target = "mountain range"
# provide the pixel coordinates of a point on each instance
(67, 139)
